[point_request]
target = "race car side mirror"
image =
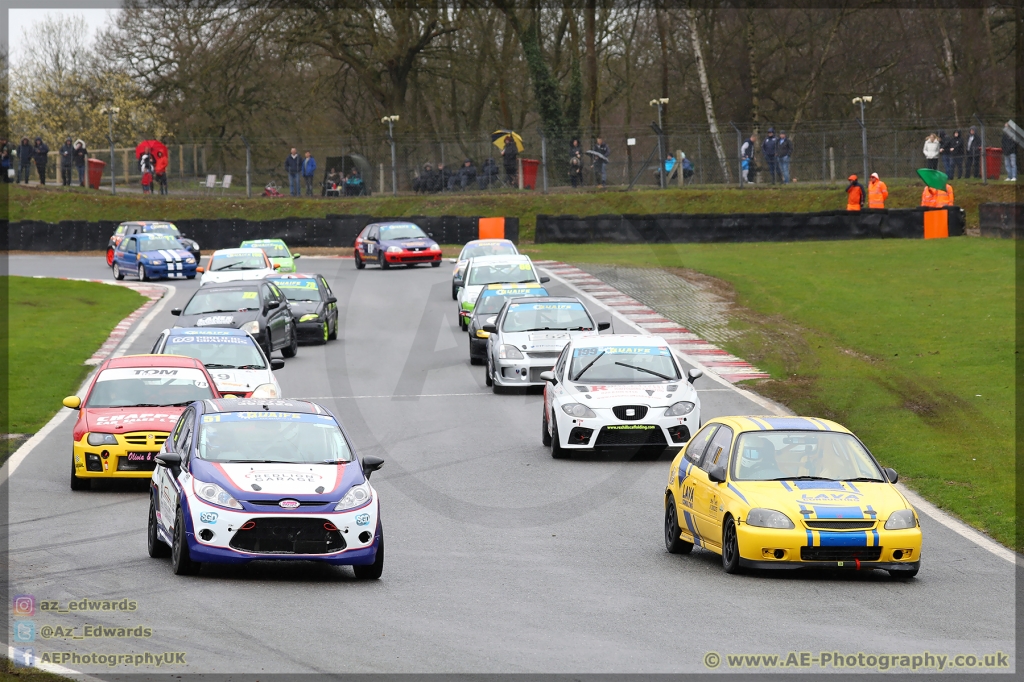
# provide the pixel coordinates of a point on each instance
(72, 401)
(332, 299)
(273, 304)
(296, 255)
(694, 374)
(490, 328)
(891, 475)
(601, 326)
(200, 269)
(717, 475)
(549, 376)
(453, 260)
(545, 279)
(276, 363)
(169, 459)
(277, 266)
(371, 464)
(175, 311)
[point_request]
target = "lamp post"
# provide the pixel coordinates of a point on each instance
(110, 111)
(660, 102)
(390, 120)
(865, 99)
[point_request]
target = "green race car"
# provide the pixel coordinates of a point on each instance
(276, 250)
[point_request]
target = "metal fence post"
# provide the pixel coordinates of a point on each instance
(823, 154)
(739, 153)
(544, 161)
(984, 152)
(248, 168)
(700, 160)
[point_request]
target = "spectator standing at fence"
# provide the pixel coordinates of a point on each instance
(41, 154)
(308, 169)
(160, 162)
(24, 159)
(601, 164)
(854, 195)
(6, 162)
(769, 148)
(575, 164)
(747, 154)
(293, 166)
(972, 155)
(510, 159)
(783, 152)
(1009, 146)
(945, 152)
(956, 155)
(81, 155)
(877, 192)
(932, 146)
(66, 152)
(146, 167)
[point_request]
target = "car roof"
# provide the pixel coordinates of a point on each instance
(149, 360)
(146, 223)
(509, 258)
(262, 241)
(547, 299)
(235, 284)
(270, 404)
(293, 275)
(513, 285)
(206, 331)
(238, 251)
(621, 340)
(779, 423)
(478, 242)
(394, 223)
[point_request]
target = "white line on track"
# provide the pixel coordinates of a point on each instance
(919, 503)
(417, 395)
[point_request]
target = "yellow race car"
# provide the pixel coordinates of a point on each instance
(788, 492)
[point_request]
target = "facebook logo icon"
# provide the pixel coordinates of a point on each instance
(24, 631)
(24, 658)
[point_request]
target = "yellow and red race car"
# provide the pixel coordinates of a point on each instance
(129, 408)
(788, 492)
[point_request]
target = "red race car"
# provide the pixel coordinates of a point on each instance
(399, 243)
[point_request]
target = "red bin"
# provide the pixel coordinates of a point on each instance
(96, 173)
(993, 162)
(530, 167)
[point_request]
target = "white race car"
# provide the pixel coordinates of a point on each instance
(618, 391)
(528, 334)
(475, 248)
(232, 265)
(231, 356)
(484, 270)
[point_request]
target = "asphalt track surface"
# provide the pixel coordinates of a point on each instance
(499, 558)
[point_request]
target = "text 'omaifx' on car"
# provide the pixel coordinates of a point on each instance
(277, 251)
(131, 227)
(529, 334)
(313, 304)
(478, 247)
(152, 256)
(232, 357)
(789, 492)
(397, 243)
(485, 311)
(128, 409)
(244, 480)
(484, 270)
(255, 307)
(618, 391)
(233, 265)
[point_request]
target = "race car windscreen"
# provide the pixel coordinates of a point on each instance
(280, 437)
(273, 250)
(169, 230)
(512, 273)
(159, 244)
(533, 317)
(217, 352)
(493, 249)
(242, 261)
(623, 365)
(298, 289)
(222, 301)
(388, 232)
(148, 387)
(788, 455)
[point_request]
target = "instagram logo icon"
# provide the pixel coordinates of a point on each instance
(24, 605)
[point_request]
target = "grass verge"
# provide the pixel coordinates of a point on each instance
(909, 343)
(55, 326)
(56, 204)
(12, 673)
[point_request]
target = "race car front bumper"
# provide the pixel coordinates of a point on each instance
(523, 372)
(608, 432)
(312, 331)
(132, 457)
(802, 547)
(413, 257)
(477, 348)
(184, 271)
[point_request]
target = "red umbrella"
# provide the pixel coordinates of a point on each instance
(153, 146)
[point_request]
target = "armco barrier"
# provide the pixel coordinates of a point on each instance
(1002, 220)
(337, 231)
(682, 228)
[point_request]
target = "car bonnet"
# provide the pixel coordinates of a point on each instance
(327, 482)
(836, 500)
(119, 420)
(652, 395)
(232, 319)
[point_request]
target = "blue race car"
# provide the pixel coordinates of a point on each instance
(241, 480)
(153, 256)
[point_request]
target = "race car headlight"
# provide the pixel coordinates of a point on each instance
(214, 494)
(309, 317)
(190, 260)
(679, 409)
(356, 496)
(102, 439)
(507, 352)
(155, 261)
(195, 245)
(265, 391)
(434, 248)
(251, 327)
(768, 518)
(898, 520)
(394, 249)
(578, 410)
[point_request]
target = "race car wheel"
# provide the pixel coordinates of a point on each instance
(117, 271)
(435, 264)
(327, 330)
(76, 482)
(374, 570)
(455, 293)
(545, 434)
(181, 561)
(487, 372)
(359, 262)
(730, 547)
(673, 543)
(334, 332)
(906, 573)
(557, 451)
(110, 257)
(292, 349)
(142, 273)
(384, 265)
(157, 548)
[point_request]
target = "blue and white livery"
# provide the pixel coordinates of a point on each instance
(152, 256)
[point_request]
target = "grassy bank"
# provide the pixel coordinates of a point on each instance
(56, 204)
(55, 326)
(908, 343)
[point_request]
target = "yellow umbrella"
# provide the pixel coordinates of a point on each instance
(498, 138)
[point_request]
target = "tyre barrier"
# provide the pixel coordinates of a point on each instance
(1005, 221)
(684, 228)
(337, 231)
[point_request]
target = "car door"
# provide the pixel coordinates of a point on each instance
(130, 255)
(168, 492)
(689, 474)
(707, 498)
(332, 307)
(370, 243)
(277, 318)
(158, 347)
(553, 392)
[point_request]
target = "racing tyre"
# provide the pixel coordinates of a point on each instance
(374, 570)
(110, 257)
(117, 271)
(359, 263)
(292, 349)
(181, 562)
(487, 373)
(455, 293)
(157, 548)
(334, 332)
(557, 451)
(327, 331)
(906, 573)
(76, 482)
(384, 265)
(673, 543)
(730, 547)
(142, 274)
(545, 435)
(435, 264)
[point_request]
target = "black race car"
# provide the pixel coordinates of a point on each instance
(257, 307)
(313, 305)
(153, 226)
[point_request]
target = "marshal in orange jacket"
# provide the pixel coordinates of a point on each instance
(877, 193)
(935, 198)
